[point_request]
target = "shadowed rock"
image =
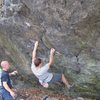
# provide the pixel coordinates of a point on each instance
(72, 27)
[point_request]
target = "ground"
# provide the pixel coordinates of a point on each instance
(37, 94)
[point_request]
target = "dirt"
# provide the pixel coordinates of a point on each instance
(37, 94)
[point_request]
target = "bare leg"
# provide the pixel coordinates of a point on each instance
(64, 80)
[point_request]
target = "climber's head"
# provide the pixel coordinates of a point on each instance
(38, 62)
(5, 65)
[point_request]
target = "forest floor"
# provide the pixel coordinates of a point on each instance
(38, 94)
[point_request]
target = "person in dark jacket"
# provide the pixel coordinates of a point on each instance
(6, 86)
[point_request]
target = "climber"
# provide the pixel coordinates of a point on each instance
(6, 89)
(41, 71)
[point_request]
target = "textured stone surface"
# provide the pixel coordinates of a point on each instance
(72, 27)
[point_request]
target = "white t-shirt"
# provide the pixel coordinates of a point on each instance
(42, 73)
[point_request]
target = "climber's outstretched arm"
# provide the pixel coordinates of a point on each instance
(51, 56)
(34, 51)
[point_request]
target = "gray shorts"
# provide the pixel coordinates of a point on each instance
(56, 78)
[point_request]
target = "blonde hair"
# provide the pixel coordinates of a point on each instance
(3, 63)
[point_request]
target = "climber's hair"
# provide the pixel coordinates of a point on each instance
(37, 62)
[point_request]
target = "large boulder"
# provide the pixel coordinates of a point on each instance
(72, 27)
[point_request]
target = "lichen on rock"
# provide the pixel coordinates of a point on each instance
(72, 27)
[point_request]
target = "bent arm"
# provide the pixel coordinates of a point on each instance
(34, 51)
(7, 87)
(51, 56)
(13, 73)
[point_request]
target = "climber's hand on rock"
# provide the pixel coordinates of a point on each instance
(52, 51)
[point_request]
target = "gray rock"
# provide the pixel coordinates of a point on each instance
(48, 98)
(78, 98)
(72, 27)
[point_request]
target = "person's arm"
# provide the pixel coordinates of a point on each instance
(13, 73)
(8, 89)
(51, 56)
(34, 51)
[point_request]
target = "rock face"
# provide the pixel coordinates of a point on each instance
(72, 27)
